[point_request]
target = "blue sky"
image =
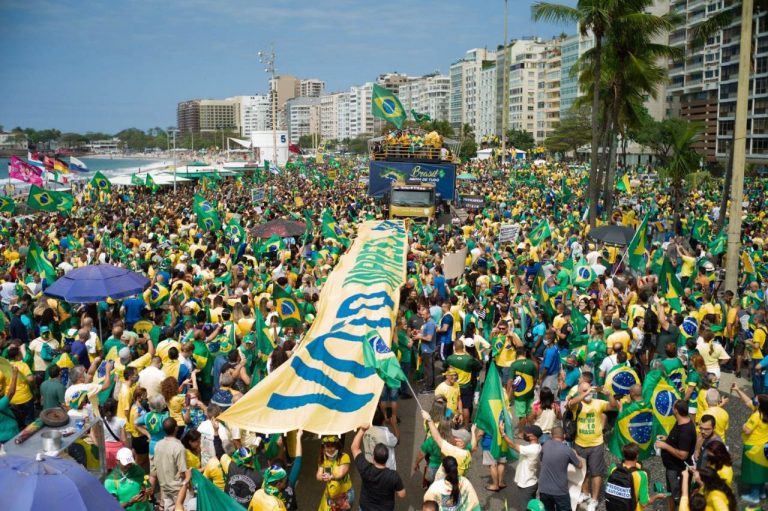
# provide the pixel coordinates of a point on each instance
(87, 65)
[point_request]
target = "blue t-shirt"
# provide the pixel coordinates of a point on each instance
(440, 286)
(428, 329)
(133, 307)
(447, 336)
(551, 361)
(571, 379)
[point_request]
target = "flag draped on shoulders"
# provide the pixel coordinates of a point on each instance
(661, 395)
(619, 380)
(493, 409)
(634, 424)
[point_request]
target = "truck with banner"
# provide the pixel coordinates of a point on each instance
(412, 171)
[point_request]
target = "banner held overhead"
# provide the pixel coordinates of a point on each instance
(325, 387)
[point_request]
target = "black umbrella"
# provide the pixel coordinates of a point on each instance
(281, 227)
(612, 234)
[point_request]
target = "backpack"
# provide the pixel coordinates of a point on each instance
(569, 423)
(651, 321)
(620, 490)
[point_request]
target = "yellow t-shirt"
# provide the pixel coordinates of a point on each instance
(721, 419)
(342, 459)
(451, 395)
(589, 423)
(175, 406)
(193, 460)
(463, 457)
(758, 343)
(716, 500)
(124, 399)
(622, 337)
(23, 392)
(726, 474)
(263, 502)
(689, 265)
(214, 471)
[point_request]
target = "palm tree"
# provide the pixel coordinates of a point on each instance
(683, 161)
(592, 16)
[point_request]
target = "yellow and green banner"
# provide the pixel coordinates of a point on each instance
(326, 387)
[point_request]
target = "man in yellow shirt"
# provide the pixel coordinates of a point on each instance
(757, 345)
(449, 391)
(589, 444)
(22, 403)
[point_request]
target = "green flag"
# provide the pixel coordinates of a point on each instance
(385, 105)
(540, 233)
(634, 424)
(329, 226)
(700, 231)
(37, 262)
(308, 233)
(493, 410)
(623, 185)
(136, 180)
(101, 183)
(207, 216)
(636, 249)
(420, 117)
(210, 497)
(541, 295)
(274, 244)
(7, 204)
(377, 355)
(151, 184)
(717, 246)
(670, 286)
(235, 232)
(49, 200)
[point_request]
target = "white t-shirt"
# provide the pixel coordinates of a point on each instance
(117, 424)
(37, 347)
(528, 465)
(380, 435)
(207, 450)
(150, 379)
(608, 363)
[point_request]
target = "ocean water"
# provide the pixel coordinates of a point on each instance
(106, 165)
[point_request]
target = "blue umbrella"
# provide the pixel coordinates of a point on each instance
(96, 283)
(49, 483)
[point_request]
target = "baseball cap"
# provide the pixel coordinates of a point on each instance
(462, 434)
(125, 456)
(536, 505)
(534, 430)
(44, 330)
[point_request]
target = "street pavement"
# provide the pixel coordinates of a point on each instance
(310, 490)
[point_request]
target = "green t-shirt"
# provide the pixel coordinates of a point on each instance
(670, 364)
(431, 449)
(523, 373)
(52, 392)
(465, 365)
(406, 354)
(9, 428)
(126, 486)
(640, 478)
(112, 343)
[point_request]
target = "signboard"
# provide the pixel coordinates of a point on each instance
(508, 233)
(382, 173)
(453, 264)
(257, 194)
(472, 201)
(332, 174)
(298, 201)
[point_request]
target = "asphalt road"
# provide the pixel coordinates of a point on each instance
(309, 490)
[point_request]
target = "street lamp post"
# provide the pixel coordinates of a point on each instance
(505, 92)
(174, 131)
(268, 59)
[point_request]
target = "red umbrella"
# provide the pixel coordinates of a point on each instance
(281, 227)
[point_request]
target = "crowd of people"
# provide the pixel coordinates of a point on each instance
(160, 368)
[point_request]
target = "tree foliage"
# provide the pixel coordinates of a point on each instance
(468, 148)
(520, 139)
(571, 133)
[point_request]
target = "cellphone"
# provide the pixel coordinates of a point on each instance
(327, 470)
(659, 488)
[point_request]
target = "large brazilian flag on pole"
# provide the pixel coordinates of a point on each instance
(49, 200)
(385, 105)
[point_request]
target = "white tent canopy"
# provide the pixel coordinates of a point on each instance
(160, 178)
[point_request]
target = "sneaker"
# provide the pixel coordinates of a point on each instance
(583, 497)
(592, 505)
(750, 499)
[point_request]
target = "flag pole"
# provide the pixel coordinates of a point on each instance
(413, 393)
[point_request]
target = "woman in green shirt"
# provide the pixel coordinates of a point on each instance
(9, 428)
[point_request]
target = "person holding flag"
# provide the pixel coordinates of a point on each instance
(527, 471)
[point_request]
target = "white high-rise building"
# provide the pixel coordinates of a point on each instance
(466, 92)
(527, 61)
(310, 88)
(302, 116)
(488, 110)
(254, 114)
(428, 94)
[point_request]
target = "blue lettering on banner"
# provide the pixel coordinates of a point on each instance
(346, 401)
(386, 225)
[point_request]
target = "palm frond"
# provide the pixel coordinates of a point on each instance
(554, 13)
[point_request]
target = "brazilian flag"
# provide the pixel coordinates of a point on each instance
(419, 118)
(583, 274)
(670, 286)
(493, 414)
(619, 379)
(661, 395)
(37, 262)
(49, 200)
(151, 184)
(274, 244)
(136, 180)
(207, 217)
(234, 231)
(156, 296)
(287, 307)
(385, 105)
(700, 231)
(101, 183)
(7, 204)
(636, 249)
(540, 233)
(635, 424)
(716, 247)
(541, 294)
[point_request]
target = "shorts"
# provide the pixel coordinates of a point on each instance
(467, 397)
(675, 483)
(595, 458)
(489, 460)
(738, 348)
(523, 407)
(389, 394)
(140, 444)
